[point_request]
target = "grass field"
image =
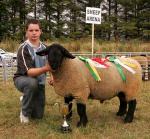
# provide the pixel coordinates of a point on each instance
(103, 123)
(84, 45)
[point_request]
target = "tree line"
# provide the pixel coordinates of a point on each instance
(121, 19)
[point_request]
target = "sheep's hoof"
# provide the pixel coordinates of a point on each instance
(79, 124)
(120, 113)
(128, 119)
(82, 123)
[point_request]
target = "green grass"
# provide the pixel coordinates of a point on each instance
(103, 123)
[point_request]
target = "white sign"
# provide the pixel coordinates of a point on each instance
(93, 15)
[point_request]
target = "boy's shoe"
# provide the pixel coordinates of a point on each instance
(23, 119)
(21, 98)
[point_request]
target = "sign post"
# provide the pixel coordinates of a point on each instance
(92, 39)
(93, 16)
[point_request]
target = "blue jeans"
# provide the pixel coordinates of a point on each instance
(33, 102)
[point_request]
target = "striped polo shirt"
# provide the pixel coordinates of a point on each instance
(27, 58)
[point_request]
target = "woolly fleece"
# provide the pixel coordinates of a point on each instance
(74, 79)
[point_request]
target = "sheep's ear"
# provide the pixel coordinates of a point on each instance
(66, 53)
(43, 52)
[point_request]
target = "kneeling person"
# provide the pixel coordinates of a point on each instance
(31, 73)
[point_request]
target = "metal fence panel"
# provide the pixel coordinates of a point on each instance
(8, 68)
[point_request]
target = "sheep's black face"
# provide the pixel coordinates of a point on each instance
(55, 58)
(56, 54)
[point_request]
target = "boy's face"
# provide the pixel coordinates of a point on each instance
(33, 32)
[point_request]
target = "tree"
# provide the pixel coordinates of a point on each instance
(4, 16)
(121, 19)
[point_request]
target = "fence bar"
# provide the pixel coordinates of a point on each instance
(7, 71)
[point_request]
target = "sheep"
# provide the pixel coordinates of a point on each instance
(72, 80)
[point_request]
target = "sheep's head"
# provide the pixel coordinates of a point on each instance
(56, 53)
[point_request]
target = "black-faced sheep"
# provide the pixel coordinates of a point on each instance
(73, 80)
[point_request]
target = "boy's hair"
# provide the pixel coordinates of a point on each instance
(32, 21)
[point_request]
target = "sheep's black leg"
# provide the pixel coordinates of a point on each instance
(123, 105)
(131, 110)
(81, 108)
(68, 101)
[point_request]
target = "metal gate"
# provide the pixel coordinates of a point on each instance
(8, 68)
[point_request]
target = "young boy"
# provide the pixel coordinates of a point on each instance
(31, 73)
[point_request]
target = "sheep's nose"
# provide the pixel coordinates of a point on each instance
(54, 66)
